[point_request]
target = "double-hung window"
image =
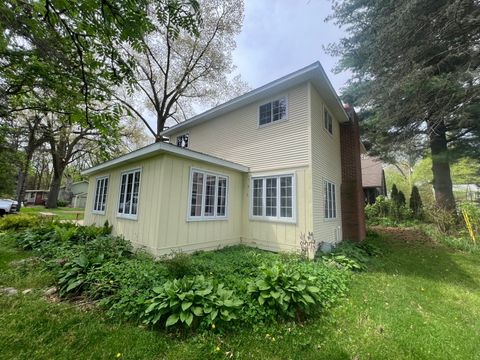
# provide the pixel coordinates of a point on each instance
(330, 200)
(273, 111)
(273, 198)
(129, 189)
(328, 121)
(208, 196)
(100, 199)
(182, 141)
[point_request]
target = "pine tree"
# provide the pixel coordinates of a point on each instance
(415, 201)
(401, 201)
(394, 194)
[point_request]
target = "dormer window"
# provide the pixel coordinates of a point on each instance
(182, 141)
(328, 121)
(273, 111)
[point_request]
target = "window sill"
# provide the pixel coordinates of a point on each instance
(273, 220)
(98, 212)
(127, 217)
(199, 218)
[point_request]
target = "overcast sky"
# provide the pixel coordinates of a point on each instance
(281, 36)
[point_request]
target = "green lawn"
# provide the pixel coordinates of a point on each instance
(417, 301)
(62, 213)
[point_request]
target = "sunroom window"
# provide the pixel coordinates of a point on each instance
(208, 195)
(129, 189)
(273, 197)
(100, 199)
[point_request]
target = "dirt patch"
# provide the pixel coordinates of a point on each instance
(407, 235)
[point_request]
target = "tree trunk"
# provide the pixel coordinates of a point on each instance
(54, 189)
(442, 180)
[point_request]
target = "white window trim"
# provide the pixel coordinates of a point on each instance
(98, 212)
(327, 219)
(278, 218)
(331, 116)
(272, 122)
(189, 199)
(129, 216)
(183, 134)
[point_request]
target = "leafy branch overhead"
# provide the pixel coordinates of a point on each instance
(416, 66)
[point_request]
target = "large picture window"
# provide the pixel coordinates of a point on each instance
(273, 198)
(330, 200)
(129, 188)
(208, 195)
(100, 199)
(273, 111)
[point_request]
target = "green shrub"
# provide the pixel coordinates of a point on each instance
(415, 202)
(178, 264)
(191, 300)
(444, 220)
(62, 203)
(17, 222)
(73, 275)
(286, 291)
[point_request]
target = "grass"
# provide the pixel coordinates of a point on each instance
(419, 300)
(62, 213)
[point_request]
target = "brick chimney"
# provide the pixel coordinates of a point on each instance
(352, 198)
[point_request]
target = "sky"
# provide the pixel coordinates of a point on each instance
(281, 36)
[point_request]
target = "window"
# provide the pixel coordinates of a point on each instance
(273, 197)
(130, 185)
(182, 141)
(208, 195)
(328, 121)
(273, 111)
(330, 200)
(100, 199)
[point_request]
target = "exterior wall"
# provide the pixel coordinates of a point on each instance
(79, 188)
(326, 165)
(161, 224)
(238, 138)
(280, 236)
(353, 202)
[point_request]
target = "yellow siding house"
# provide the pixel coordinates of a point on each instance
(266, 169)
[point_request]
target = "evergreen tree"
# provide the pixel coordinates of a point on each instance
(415, 201)
(401, 200)
(394, 194)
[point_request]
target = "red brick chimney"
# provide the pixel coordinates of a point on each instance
(352, 198)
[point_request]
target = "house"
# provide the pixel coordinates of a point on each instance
(373, 179)
(467, 192)
(35, 197)
(276, 168)
(76, 195)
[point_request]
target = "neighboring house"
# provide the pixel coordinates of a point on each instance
(468, 192)
(35, 197)
(76, 196)
(273, 168)
(373, 179)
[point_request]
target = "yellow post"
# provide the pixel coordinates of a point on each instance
(469, 225)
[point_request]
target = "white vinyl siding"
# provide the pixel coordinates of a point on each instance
(326, 165)
(208, 196)
(237, 137)
(129, 189)
(273, 198)
(100, 198)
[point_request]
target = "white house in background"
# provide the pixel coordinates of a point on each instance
(275, 168)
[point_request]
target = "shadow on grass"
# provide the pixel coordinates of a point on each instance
(409, 252)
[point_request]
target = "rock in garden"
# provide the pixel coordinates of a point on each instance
(51, 291)
(8, 291)
(26, 291)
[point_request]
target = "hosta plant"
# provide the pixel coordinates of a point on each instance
(286, 291)
(191, 300)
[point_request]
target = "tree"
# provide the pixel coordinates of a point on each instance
(9, 157)
(61, 60)
(415, 202)
(394, 193)
(178, 67)
(416, 67)
(401, 200)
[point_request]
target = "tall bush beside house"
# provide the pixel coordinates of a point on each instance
(415, 202)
